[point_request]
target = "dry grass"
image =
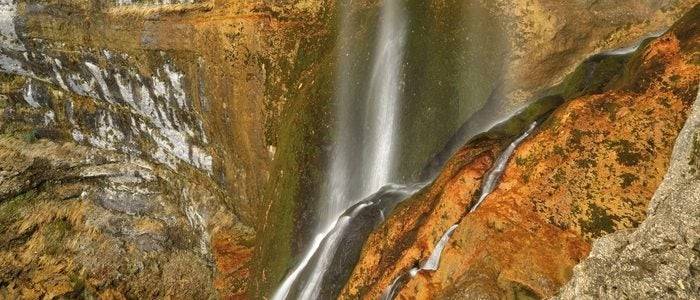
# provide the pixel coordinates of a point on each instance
(144, 11)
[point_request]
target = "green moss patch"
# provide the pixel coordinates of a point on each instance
(53, 235)
(14, 208)
(599, 222)
(695, 155)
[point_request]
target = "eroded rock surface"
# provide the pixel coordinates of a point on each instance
(79, 222)
(590, 169)
(661, 258)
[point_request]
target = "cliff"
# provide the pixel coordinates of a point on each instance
(177, 148)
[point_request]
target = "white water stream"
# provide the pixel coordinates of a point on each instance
(376, 151)
(492, 178)
(383, 100)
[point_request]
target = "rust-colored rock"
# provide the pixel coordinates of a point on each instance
(416, 225)
(590, 169)
(232, 264)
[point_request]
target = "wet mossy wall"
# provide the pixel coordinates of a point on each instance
(455, 56)
(291, 194)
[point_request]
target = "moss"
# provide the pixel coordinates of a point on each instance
(586, 163)
(30, 136)
(695, 155)
(593, 76)
(13, 209)
(9, 83)
(54, 233)
(559, 177)
(628, 179)
(599, 222)
(534, 111)
(575, 141)
(626, 155)
(296, 171)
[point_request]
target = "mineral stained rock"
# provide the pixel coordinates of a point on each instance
(661, 258)
(590, 169)
(173, 148)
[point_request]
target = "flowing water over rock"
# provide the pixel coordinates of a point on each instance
(325, 267)
(490, 181)
(376, 133)
(362, 157)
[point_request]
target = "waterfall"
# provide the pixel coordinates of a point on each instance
(362, 158)
(383, 97)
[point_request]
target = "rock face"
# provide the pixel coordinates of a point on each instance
(110, 158)
(156, 148)
(548, 38)
(661, 258)
(591, 169)
(81, 221)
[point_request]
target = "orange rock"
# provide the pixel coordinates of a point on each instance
(416, 225)
(232, 265)
(589, 170)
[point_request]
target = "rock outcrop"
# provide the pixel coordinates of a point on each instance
(661, 258)
(590, 169)
(79, 221)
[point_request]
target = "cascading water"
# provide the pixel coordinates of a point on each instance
(376, 133)
(491, 179)
(384, 96)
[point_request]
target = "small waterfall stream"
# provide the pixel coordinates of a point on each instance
(490, 181)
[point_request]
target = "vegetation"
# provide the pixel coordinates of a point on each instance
(146, 10)
(13, 209)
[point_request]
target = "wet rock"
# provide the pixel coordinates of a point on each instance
(589, 170)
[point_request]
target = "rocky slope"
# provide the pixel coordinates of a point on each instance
(590, 169)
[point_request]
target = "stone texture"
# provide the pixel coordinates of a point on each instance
(223, 106)
(80, 221)
(96, 223)
(661, 258)
(590, 169)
